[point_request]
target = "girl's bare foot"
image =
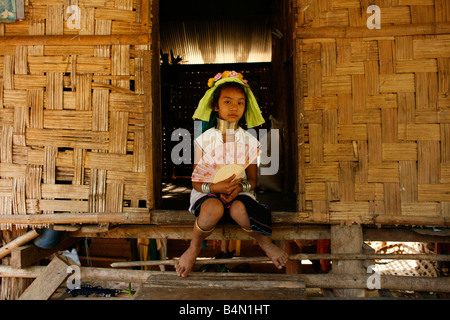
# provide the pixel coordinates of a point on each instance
(187, 260)
(278, 256)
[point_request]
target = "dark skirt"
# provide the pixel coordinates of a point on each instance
(259, 215)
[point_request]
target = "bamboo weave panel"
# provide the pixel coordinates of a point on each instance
(72, 118)
(374, 113)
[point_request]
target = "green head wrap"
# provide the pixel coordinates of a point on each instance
(204, 111)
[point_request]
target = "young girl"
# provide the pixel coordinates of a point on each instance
(231, 200)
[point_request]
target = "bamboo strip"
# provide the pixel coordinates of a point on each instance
(67, 138)
(299, 256)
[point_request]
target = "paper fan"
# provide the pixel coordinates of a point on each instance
(224, 161)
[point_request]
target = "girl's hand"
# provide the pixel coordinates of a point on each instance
(226, 186)
(226, 198)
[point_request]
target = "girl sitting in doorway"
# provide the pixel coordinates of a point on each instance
(231, 200)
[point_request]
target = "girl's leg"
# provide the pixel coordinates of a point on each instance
(211, 211)
(239, 214)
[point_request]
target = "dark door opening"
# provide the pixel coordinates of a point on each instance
(199, 39)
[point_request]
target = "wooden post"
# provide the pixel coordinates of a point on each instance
(347, 239)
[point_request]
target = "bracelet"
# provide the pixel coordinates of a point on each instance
(206, 187)
(246, 186)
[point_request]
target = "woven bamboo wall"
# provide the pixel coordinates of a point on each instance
(374, 111)
(72, 115)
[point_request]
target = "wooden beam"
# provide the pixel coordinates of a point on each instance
(229, 232)
(47, 282)
(293, 232)
(183, 217)
(142, 217)
(74, 40)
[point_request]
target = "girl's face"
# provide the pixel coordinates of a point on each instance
(231, 105)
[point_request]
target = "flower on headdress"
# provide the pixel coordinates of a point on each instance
(226, 74)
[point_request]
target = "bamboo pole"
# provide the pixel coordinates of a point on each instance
(299, 256)
(7, 248)
(385, 31)
(72, 40)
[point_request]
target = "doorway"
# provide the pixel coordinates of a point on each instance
(201, 38)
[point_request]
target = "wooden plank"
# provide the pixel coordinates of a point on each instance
(149, 292)
(245, 288)
(47, 282)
